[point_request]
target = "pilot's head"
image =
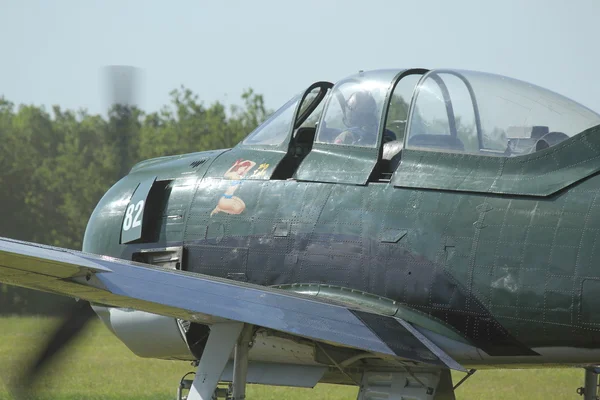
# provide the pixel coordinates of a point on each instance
(361, 110)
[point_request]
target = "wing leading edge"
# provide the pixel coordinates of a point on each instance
(205, 299)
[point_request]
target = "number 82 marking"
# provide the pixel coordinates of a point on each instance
(130, 221)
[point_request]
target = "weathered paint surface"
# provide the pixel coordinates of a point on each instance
(507, 272)
(497, 251)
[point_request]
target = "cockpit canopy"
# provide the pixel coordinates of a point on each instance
(439, 110)
(476, 112)
(354, 110)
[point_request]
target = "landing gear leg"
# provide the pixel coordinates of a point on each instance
(240, 363)
(221, 340)
(590, 391)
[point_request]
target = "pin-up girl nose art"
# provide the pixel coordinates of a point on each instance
(228, 203)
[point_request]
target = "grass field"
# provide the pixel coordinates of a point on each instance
(98, 366)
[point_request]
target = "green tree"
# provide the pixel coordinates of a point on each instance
(55, 167)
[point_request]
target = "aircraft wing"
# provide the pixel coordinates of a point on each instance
(205, 299)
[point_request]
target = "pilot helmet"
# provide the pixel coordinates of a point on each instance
(361, 110)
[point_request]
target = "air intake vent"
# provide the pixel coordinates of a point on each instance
(198, 163)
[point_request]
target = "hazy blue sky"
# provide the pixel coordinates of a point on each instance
(52, 51)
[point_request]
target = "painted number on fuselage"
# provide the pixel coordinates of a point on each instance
(133, 218)
(130, 221)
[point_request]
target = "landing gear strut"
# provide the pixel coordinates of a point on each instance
(224, 337)
(590, 391)
(221, 341)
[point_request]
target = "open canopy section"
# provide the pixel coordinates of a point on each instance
(482, 113)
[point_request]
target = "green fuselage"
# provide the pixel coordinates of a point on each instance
(506, 272)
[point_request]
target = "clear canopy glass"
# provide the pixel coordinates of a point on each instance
(442, 110)
(353, 112)
(483, 113)
(275, 129)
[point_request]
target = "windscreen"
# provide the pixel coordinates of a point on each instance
(276, 128)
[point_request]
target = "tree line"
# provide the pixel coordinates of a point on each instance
(55, 166)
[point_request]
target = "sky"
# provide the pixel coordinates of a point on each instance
(53, 52)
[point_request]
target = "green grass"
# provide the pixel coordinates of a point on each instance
(98, 366)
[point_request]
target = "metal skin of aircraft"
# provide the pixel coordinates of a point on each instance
(378, 232)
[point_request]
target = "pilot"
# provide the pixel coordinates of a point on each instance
(361, 118)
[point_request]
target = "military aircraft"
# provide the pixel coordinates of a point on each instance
(379, 232)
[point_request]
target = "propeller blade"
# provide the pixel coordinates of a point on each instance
(75, 320)
(121, 87)
(122, 84)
